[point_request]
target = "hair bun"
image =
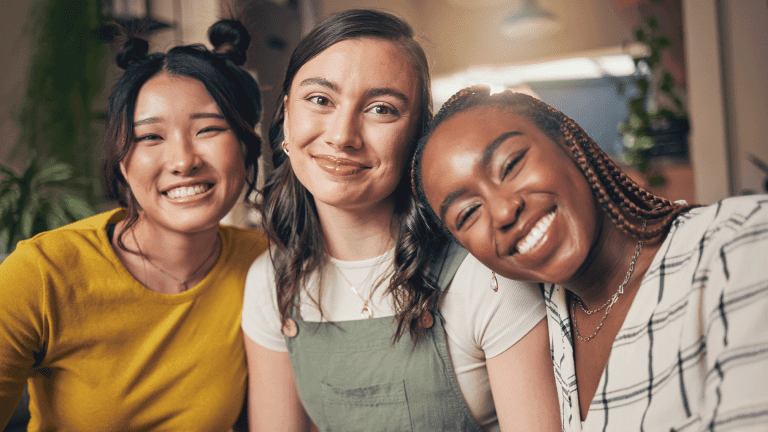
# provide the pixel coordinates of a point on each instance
(133, 49)
(230, 38)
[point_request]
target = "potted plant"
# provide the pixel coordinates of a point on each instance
(657, 123)
(41, 198)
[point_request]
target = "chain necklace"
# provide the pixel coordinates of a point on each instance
(182, 282)
(610, 302)
(366, 312)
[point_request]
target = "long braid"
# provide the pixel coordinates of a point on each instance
(627, 203)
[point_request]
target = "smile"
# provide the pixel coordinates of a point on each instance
(338, 166)
(185, 191)
(537, 233)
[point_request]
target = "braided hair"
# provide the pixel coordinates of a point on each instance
(234, 90)
(627, 203)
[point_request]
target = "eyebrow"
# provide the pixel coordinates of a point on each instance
(487, 155)
(321, 82)
(387, 92)
(384, 91)
(154, 120)
(453, 196)
(494, 145)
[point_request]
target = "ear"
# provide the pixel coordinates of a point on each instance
(123, 170)
(285, 119)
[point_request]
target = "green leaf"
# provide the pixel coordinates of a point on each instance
(653, 23)
(642, 85)
(635, 122)
(27, 221)
(657, 180)
(8, 201)
(666, 113)
(645, 142)
(624, 128)
(77, 207)
(54, 172)
(56, 217)
(640, 35)
(7, 171)
(663, 42)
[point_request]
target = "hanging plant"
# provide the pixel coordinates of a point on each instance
(67, 70)
(657, 115)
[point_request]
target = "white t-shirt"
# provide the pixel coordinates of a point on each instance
(479, 323)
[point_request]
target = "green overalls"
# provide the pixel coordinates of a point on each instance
(351, 378)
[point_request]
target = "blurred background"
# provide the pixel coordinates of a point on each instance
(673, 89)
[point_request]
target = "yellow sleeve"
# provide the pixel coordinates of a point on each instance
(21, 325)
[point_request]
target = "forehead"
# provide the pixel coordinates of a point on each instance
(475, 128)
(165, 93)
(364, 62)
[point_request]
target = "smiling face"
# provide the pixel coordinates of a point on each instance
(350, 119)
(509, 194)
(185, 166)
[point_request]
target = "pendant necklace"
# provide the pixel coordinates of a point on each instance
(366, 312)
(182, 282)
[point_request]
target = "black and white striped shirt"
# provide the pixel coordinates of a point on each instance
(692, 353)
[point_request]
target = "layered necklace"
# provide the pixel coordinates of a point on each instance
(610, 302)
(182, 282)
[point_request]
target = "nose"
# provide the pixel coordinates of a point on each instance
(181, 156)
(505, 211)
(344, 130)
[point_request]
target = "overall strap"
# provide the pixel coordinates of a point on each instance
(446, 264)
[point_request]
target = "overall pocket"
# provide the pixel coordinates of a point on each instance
(380, 407)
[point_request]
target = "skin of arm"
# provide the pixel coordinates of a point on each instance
(523, 384)
(273, 400)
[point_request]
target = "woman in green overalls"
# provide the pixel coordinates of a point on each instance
(360, 318)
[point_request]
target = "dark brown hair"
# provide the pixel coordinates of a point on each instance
(290, 216)
(618, 194)
(234, 90)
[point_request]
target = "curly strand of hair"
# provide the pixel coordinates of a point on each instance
(410, 256)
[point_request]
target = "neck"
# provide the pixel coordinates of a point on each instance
(608, 264)
(185, 256)
(357, 234)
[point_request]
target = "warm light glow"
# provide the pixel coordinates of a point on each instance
(503, 77)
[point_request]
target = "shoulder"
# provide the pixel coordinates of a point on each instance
(242, 244)
(703, 231)
(728, 215)
(261, 277)
(84, 235)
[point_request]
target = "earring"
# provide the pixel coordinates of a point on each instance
(284, 145)
(494, 282)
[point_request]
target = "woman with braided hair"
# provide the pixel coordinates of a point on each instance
(656, 310)
(130, 320)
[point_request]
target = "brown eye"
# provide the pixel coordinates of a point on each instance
(465, 214)
(384, 110)
(512, 163)
(319, 100)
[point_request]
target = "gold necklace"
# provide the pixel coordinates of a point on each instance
(610, 302)
(182, 282)
(366, 312)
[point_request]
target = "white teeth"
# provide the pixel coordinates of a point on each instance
(185, 191)
(536, 234)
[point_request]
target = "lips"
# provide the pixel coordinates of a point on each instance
(339, 166)
(185, 191)
(536, 234)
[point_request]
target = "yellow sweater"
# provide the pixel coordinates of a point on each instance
(104, 353)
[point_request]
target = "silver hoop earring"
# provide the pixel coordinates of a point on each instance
(494, 282)
(284, 145)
